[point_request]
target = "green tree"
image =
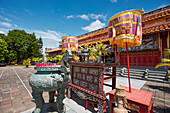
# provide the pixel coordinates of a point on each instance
(22, 45)
(3, 49)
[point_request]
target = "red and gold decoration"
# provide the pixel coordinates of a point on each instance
(70, 43)
(126, 30)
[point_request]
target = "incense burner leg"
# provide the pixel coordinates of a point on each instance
(51, 96)
(60, 97)
(38, 99)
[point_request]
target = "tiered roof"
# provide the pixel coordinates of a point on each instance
(158, 28)
(156, 15)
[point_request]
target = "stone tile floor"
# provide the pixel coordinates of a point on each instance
(15, 93)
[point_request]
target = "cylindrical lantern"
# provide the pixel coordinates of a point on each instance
(126, 28)
(70, 43)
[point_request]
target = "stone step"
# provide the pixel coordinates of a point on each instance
(142, 70)
(154, 75)
(150, 74)
(149, 79)
(141, 75)
(144, 67)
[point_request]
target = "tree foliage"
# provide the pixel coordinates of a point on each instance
(21, 45)
(3, 49)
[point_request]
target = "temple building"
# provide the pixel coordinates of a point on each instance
(155, 39)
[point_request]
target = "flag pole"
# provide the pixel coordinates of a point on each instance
(128, 67)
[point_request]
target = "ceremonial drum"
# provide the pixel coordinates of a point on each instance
(126, 27)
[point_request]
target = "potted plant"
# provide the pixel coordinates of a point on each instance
(92, 59)
(49, 59)
(77, 58)
(27, 62)
(58, 57)
(101, 50)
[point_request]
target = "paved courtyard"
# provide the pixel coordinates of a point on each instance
(15, 93)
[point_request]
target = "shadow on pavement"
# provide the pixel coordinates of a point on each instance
(82, 102)
(159, 109)
(161, 88)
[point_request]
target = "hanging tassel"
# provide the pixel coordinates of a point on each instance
(138, 30)
(138, 33)
(114, 31)
(68, 43)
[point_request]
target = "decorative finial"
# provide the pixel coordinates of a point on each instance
(143, 10)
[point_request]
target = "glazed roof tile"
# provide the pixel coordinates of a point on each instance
(157, 15)
(156, 29)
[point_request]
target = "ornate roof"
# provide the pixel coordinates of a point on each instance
(157, 12)
(155, 29)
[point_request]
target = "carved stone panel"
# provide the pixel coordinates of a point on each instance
(84, 77)
(76, 81)
(89, 78)
(96, 80)
(74, 75)
(93, 71)
(84, 70)
(76, 69)
(93, 87)
(83, 84)
(79, 75)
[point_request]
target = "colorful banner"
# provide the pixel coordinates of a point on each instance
(70, 43)
(126, 27)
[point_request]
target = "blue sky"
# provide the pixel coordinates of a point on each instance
(52, 19)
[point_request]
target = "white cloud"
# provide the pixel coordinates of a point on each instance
(2, 32)
(113, 1)
(15, 25)
(97, 16)
(5, 24)
(88, 16)
(50, 43)
(49, 34)
(70, 16)
(50, 38)
(93, 26)
(3, 18)
(85, 17)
